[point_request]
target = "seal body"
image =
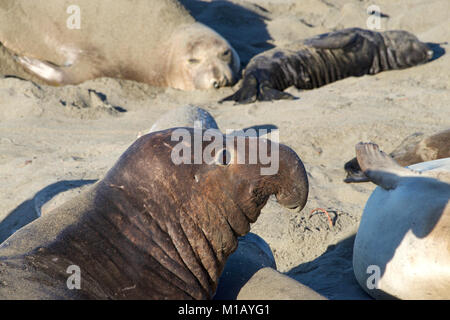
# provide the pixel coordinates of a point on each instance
(415, 148)
(185, 116)
(314, 62)
(402, 247)
(151, 228)
(157, 42)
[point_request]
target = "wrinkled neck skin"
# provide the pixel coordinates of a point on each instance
(156, 248)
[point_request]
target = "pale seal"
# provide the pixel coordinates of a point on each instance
(269, 284)
(185, 116)
(326, 58)
(153, 41)
(402, 247)
(151, 228)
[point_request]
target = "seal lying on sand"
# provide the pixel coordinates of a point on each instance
(150, 228)
(414, 149)
(153, 41)
(185, 116)
(402, 247)
(323, 59)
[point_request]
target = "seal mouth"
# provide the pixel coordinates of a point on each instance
(355, 177)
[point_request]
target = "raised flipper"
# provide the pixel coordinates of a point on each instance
(253, 89)
(379, 167)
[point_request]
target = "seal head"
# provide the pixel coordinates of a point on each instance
(199, 58)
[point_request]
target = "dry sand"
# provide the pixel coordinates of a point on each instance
(55, 139)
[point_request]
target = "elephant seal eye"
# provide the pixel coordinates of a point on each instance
(226, 55)
(193, 61)
(223, 158)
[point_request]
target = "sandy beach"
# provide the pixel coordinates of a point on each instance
(54, 139)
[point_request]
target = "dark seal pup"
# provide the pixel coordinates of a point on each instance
(150, 229)
(414, 149)
(326, 58)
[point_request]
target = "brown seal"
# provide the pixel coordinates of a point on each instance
(314, 62)
(151, 228)
(153, 41)
(414, 149)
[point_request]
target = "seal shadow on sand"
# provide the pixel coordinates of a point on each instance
(28, 210)
(243, 28)
(332, 275)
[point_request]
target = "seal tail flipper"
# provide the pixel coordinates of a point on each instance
(379, 167)
(247, 93)
(252, 90)
(266, 93)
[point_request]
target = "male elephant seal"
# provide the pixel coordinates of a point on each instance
(153, 41)
(402, 247)
(323, 59)
(152, 228)
(414, 149)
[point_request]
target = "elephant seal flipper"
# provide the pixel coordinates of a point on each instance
(335, 40)
(326, 58)
(44, 70)
(379, 167)
(413, 149)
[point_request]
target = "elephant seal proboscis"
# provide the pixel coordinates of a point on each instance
(326, 58)
(151, 228)
(414, 149)
(402, 247)
(153, 41)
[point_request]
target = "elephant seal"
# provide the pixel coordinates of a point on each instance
(153, 41)
(251, 255)
(314, 62)
(402, 247)
(185, 116)
(414, 149)
(269, 284)
(152, 228)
